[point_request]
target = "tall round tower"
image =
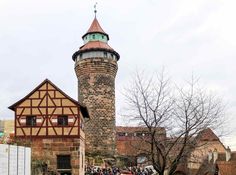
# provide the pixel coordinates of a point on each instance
(96, 68)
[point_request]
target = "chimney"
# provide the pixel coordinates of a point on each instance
(215, 155)
(228, 154)
(209, 156)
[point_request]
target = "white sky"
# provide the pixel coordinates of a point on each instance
(38, 38)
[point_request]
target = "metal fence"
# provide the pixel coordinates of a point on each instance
(15, 160)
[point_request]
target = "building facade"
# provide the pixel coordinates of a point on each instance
(52, 124)
(96, 68)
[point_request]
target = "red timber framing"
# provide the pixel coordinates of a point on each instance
(36, 115)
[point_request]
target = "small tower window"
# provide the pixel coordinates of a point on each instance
(102, 37)
(105, 54)
(93, 36)
(80, 56)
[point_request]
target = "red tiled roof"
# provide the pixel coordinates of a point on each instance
(83, 108)
(95, 27)
(96, 45)
(227, 168)
(131, 129)
(207, 135)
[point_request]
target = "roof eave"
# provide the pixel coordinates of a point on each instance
(13, 107)
(94, 49)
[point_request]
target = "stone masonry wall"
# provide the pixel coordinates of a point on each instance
(48, 149)
(96, 81)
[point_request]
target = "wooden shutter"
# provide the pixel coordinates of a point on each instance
(39, 121)
(54, 120)
(71, 120)
(22, 120)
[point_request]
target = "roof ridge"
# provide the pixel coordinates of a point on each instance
(12, 107)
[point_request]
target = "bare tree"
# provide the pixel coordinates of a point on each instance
(183, 112)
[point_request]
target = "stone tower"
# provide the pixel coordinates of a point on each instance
(96, 68)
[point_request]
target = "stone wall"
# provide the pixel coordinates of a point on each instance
(96, 81)
(47, 150)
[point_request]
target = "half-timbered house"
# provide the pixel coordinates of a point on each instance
(52, 122)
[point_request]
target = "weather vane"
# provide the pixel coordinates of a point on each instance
(95, 8)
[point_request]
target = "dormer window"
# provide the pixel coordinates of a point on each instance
(62, 120)
(31, 120)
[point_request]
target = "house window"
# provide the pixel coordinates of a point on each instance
(62, 120)
(63, 162)
(31, 120)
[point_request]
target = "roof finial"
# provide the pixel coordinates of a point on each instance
(95, 8)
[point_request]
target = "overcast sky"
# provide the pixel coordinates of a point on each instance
(38, 38)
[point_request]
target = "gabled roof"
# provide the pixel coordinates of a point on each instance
(207, 135)
(95, 28)
(82, 107)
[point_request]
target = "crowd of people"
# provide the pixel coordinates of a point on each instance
(119, 171)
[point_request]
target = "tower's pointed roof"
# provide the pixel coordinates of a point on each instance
(95, 28)
(94, 40)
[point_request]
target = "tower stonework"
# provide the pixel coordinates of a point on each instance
(96, 68)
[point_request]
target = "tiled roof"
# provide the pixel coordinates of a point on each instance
(83, 108)
(227, 168)
(95, 27)
(96, 45)
(207, 135)
(233, 155)
(129, 129)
